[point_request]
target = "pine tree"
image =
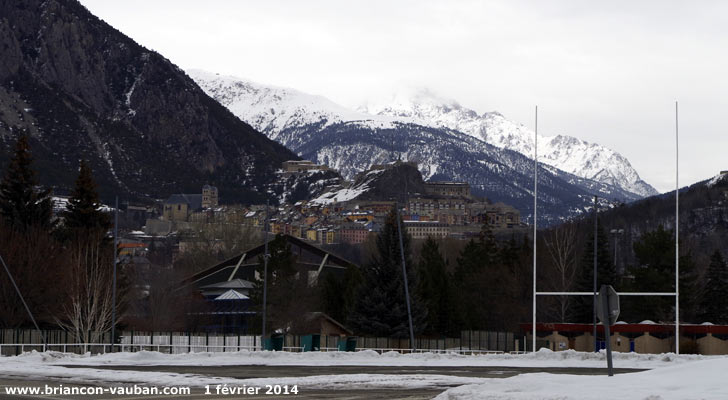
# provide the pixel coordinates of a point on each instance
(606, 273)
(22, 204)
(435, 289)
(85, 235)
(338, 293)
(468, 276)
(655, 272)
(83, 210)
(380, 308)
(714, 300)
(281, 283)
(479, 278)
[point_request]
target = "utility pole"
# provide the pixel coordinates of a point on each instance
(265, 267)
(406, 284)
(594, 299)
(113, 288)
(617, 233)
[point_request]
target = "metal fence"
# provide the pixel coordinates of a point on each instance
(186, 342)
(16, 341)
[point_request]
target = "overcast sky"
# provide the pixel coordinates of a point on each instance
(607, 72)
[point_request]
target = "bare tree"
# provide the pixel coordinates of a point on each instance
(561, 245)
(213, 242)
(87, 313)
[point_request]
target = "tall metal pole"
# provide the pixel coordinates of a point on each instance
(113, 288)
(265, 266)
(594, 298)
(677, 246)
(535, 214)
(27, 309)
(406, 284)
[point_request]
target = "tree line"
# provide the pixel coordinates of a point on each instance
(568, 265)
(61, 266)
(486, 282)
(63, 269)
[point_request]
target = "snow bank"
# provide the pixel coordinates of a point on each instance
(542, 358)
(703, 379)
(684, 376)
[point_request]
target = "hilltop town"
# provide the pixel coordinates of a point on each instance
(440, 210)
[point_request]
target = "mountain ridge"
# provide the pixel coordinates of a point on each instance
(308, 126)
(296, 108)
(81, 89)
(570, 154)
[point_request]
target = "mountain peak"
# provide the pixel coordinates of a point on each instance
(273, 109)
(413, 103)
(570, 154)
(279, 112)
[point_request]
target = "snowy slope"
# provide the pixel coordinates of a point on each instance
(569, 154)
(271, 109)
(350, 142)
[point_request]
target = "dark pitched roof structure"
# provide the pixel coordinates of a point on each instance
(193, 201)
(242, 266)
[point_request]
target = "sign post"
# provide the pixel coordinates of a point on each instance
(608, 312)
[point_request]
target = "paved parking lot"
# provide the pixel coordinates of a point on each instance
(258, 371)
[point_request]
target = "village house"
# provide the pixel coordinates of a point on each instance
(298, 167)
(425, 229)
(179, 207)
(353, 233)
(459, 189)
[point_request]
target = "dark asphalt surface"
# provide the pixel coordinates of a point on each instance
(260, 371)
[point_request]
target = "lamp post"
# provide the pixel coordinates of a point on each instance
(265, 271)
(617, 233)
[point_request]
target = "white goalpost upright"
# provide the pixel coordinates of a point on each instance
(535, 199)
(677, 244)
(675, 293)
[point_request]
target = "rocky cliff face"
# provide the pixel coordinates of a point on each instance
(395, 181)
(279, 111)
(352, 141)
(569, 154)
(82, 89)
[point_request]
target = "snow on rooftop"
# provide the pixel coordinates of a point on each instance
(232, 295)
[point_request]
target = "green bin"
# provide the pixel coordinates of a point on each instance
(347, 343)
(274, 343)
(311, 342)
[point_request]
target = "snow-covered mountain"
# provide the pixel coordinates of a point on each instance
(272, 110)
(351, 141)
(569, 154)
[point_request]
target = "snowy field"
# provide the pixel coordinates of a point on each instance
(706, 379)
(669, 377)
